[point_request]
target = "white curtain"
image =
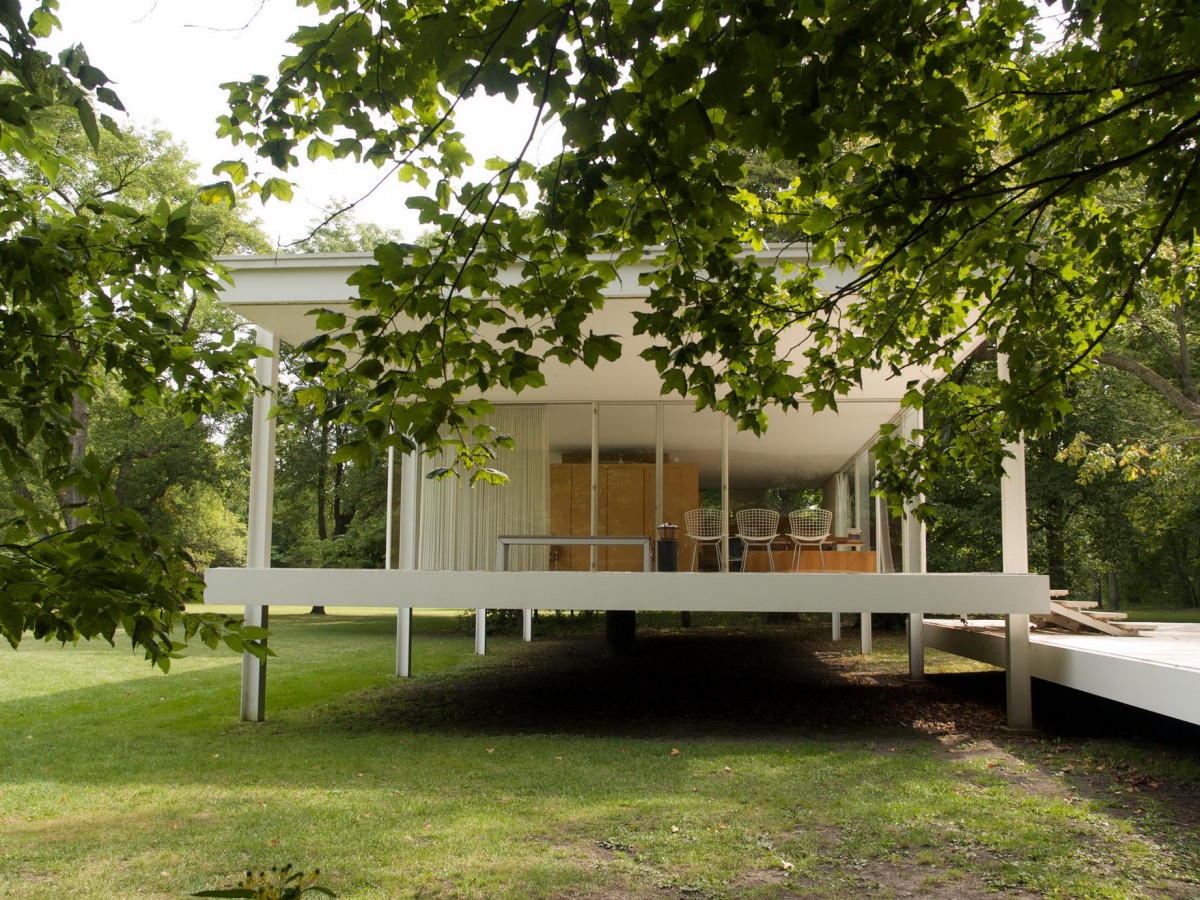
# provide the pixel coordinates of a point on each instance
(460, 523)
(883, 536)
(841, 519)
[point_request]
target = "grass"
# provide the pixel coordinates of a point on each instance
(116, 781)
(1163, 615)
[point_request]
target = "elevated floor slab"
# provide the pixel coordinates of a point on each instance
(1157, 671)
(636, 591)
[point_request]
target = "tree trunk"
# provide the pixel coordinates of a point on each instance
(71, 499)
(341, 520)
(322, 531)
(1114, 598)
(1056, 545)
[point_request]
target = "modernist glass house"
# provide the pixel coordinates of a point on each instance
(602, 453)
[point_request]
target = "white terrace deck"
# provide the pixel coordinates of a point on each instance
(1013, 596)
(1157, 671)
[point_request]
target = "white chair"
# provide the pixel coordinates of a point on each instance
(757, 527)
(704, 526)
(809, 526)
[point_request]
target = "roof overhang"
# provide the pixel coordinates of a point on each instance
(279, 293)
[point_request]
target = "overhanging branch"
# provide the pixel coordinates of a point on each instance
(1163, 386)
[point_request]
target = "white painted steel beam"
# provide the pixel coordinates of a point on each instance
(1014, 525)
(675, 591)
(864, 634)
(259, 516)
(725, 494)
(915, 634)
(410, 488)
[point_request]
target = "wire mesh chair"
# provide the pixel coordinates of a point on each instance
(758, 527)
(809, 526)
(704, 526)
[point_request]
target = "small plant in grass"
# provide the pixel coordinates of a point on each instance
(278, 884)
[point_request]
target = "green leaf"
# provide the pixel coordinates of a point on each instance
(91, 77)
(319, 148)
(161, 216)
(276, 187)
(237, 170)
(219, 193)
(109, 98)
(87, 118)
(330, 320)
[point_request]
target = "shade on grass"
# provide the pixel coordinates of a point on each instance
(119, 781)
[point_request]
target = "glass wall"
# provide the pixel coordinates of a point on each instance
(627, 488)
(692, 476)
(622, 469)
(570, 463)
(646, 471)
(460, 524)
(766, 474)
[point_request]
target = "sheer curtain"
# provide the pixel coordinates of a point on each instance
(460, 524)
(841, 505)
(883, 536)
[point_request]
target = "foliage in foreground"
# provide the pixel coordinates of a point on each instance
(280, 884)
(955, 167)
(99, 291)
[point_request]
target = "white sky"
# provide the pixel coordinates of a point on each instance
(167, 58)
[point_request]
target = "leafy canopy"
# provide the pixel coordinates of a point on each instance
(95, 290)
(947, 155)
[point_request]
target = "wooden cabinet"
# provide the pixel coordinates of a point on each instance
(810, 559)
(626, 506)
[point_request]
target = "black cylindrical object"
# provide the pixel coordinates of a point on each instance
(667, 553)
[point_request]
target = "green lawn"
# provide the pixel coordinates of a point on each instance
(1163, 615)
(116, 781)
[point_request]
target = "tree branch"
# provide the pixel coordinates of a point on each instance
(1183, 362)
(1153, 380)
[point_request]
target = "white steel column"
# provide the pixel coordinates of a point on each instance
(258, 530)
(594, 491)
(1015, 550)
(389, 557)
(410, 486)
(916, 646)
(835, 630)
(862, 519)
(480, 631)
(912, 550)
(659, 448)
(724, 494)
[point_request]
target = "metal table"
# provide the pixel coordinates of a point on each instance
(504, 541)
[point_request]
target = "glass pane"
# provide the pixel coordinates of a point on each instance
(767, 473)
(570, 439)
(691, 476)
(460, 524)
(864, 478)
(627, 486)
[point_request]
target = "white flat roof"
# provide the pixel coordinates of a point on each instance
(277, 292)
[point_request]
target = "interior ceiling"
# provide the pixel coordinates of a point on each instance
(799, 447)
